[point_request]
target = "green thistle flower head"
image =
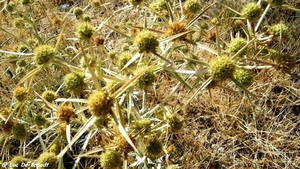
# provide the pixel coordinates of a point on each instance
(43, 54)
(146, 80)
(142, 124)
(154, 147)
(159, 7)
(123, 58)
(78, 12)
(75, 82)
(175, 121)
(251, 11)
(21, 94)
(40, 120)
(49, 95)
(85, 30)
(111, 159)
(192, 6)
(8, 126)
(146, 41)
(135, 2)
(21, 63)
(49, 158)
(235, 45)
(20, 131)
(99, 103)
(101, 121)
(243, 76)
(277, 30)
(221, 68)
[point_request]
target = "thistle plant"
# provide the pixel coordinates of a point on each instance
(97, 85)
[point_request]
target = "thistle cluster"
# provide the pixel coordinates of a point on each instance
(85, 31)
(154, 147)
(278, 30)
(49, 95)
(236, 45)
(243, 76)
(176, 28)
(175, 121)
(21, 94)
(65, 113)
(146, 80)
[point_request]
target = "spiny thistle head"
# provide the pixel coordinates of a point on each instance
(86, 18)
(23, 48)
(99, 40)
(175, 121)
(146, 80)
(221, 68)
(20, 131)
(176, 28)
(75, 82)
(142, 124)
(275, 2)
(192, 6)
(135, 2)
(99, 103)
(123, 58)
(125, 47)
(235, 45)
(111, 159)
(146, 41)
(43, 54)
(85, 30)
(278, 30)
(40, 120)
(49, 95)
(243, 76)
(65, 113)
(21, 63)
(16, 162)
(154, 147)
(101, 121)
(56, 21)
(77, 12)
(285, 62)
(21, 94)
(49, 158)
(251, 11)
(159, 7)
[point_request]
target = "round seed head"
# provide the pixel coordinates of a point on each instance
(176, 28)
(243, 76)
(43, 54)
(123, 145)
(111, 159)
(40, 120)
(159, 7)
(99, 40)
(285, 62)
(20, 131)
(192, 6)
(49, 158)
(75, 82)
(236, 44)
(78, 12)
(175, 121)
(8, 126)
(135, 2)
(154, 147)
(21, 63)
(146, 41)
(49, 95)
(221, 68)
(146, 80)
(65, 113)
(278, 30)
(86, 18)
(142, 124)
(84, 31)
(99, 104)
(21, 94)
(251, 11)
(96, 3)
(123, 58)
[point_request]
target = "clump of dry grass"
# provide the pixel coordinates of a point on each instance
(171, 102)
